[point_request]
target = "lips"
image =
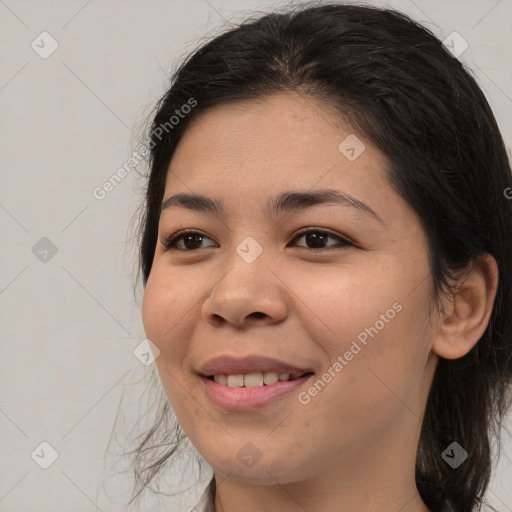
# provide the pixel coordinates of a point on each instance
(251, 383)
(231, 365)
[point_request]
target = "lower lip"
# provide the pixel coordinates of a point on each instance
(247, 399)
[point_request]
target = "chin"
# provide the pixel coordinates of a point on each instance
(259, 471)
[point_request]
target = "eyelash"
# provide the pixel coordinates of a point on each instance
(170, 241)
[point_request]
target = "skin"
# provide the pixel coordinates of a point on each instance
(353, 445)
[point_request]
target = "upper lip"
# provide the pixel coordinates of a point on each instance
(231, 365)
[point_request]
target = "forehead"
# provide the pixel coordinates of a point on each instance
(286, 124)
(273, 133)
(254, 149)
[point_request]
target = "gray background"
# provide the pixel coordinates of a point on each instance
(69, 320)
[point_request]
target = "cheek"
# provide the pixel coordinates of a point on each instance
(387, 374)
(164, 316)
(346, 306)
(381, 332)
(152, 305)
(164, 307)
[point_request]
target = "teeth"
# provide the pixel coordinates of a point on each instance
(235, 381)
(270, 378)
(251, 380)
(221, 379)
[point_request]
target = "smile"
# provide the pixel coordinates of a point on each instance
(240, 398)
(252, 380)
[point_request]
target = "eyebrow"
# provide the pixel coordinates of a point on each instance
(284, 202)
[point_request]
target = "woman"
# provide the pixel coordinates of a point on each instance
(325, 252)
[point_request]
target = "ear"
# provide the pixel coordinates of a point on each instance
(467, 309)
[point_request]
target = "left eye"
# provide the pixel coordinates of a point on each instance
(317, 237)
(192, 238)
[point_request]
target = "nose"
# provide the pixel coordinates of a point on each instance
(248, 294)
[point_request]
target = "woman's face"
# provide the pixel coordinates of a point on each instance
(346, 304)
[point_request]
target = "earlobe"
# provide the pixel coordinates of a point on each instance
(467, 310)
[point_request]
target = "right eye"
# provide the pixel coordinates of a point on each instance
(189, 238)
